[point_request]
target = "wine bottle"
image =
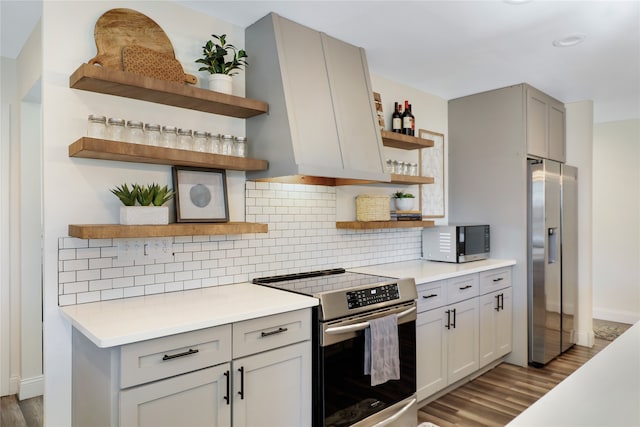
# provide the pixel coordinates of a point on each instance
(396, 120)
(406, 119)
(413, 122)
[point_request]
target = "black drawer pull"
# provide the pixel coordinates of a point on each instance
(465, 287)
(278, 331)
(429, 296)
(175, 356)
(498, 279)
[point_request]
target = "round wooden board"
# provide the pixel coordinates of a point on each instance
(118, 28)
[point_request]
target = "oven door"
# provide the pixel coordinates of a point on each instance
(347, 395)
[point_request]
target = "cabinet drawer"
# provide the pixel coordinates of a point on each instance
(432, 295)
(493, 280)
(164, 357)
(264, 333)
(462, 288)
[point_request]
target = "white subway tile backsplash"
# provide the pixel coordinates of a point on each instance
(302, 236)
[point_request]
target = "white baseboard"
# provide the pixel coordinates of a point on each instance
(31, 387)
(585, 338)
(616, 315)
(14, 384)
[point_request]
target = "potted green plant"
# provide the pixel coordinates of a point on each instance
(222, 60)
(403, 201)
(143, 205)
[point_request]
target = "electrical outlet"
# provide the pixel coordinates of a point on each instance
(160, 249)
(130, 250)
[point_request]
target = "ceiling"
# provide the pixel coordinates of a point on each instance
(456, 48)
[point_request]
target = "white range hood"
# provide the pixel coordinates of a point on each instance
(322, 120)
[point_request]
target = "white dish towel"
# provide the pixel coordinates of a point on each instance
(381, 350)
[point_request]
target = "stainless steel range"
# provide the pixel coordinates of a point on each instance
(343, 393)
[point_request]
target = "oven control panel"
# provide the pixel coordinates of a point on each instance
(373, 295)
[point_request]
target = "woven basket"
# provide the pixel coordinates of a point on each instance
(372, 208)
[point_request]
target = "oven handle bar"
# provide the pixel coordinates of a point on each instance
(397, 415)
(362, 325)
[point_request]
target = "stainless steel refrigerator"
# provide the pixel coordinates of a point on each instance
(552, 258)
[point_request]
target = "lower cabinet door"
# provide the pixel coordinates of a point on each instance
(273, 388)
(495, 325)
(193, 399)
(431, 366)
(462, 339)
(504, 324)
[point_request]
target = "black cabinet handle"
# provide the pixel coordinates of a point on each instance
(175, 356)
(278, 331)
(454, 318)
(498, 279)
(501, 301)
(241, 392)
(429, 296)
(448, 325)
(497, 308)
(226, 397)
(465, 287)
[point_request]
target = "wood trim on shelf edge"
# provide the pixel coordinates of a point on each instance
(404, 142)
(373, 225)
(129, 85)
(117, 231)
(93, 148)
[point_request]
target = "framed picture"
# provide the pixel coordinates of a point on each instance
(432, 164)
(201, 194)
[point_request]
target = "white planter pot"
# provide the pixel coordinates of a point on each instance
(144, 215)
(405, 204)
(222, 83)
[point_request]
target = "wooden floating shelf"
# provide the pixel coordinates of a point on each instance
(116, 231)
(404, 142)
(373, 225)
(92, 148)
(93, 78)
(408, 179)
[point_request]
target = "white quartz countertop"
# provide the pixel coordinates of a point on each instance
(430, 271)
(605, 391)
(123, 321)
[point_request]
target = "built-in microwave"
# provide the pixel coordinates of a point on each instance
(456, 243)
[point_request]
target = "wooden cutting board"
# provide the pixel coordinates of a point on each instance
(119, 28)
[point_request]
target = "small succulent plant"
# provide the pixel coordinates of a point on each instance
(402, 195)
(151, 195)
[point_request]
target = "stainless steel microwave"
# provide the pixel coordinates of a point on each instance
(456, 243)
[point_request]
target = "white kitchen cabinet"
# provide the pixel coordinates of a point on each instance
(496, 315)
(462, 339)
(273, 388)
(193, 399)
(272, 371)
(495, 325)
(458, 330)
(327, 128)
(447, 333)
(545, 122)
(244, 374)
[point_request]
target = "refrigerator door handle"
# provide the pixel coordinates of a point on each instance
(552, 253)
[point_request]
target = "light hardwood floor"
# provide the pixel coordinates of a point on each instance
(498, 396)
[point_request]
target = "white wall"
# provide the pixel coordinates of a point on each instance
(616, 221)
(579, 122)
(8, 371)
